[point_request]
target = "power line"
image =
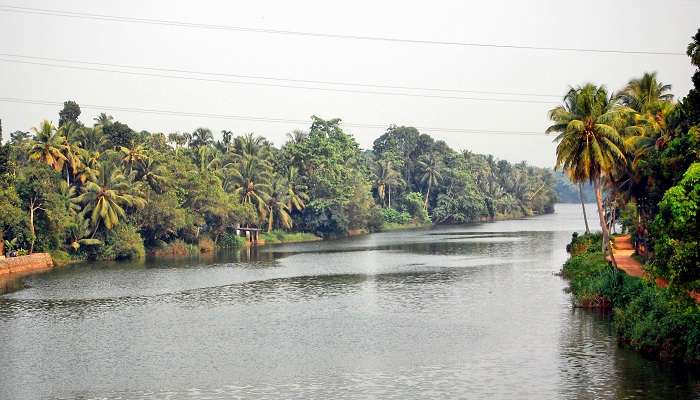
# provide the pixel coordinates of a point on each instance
(261, 77)
(260, 119)
(114, 18)
(149, 74)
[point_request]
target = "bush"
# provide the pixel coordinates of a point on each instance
(676, 229)
(392, 216)
(206, 245)
(589, 243)
(413, 204)
(122, 243)
(656, 322)
(230, 240)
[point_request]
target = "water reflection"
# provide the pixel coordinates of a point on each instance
(452, 312)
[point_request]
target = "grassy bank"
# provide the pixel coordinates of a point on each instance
(277, 236)
(392, 226)
(660, 323)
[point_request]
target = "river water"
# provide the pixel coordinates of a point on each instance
(472, 311)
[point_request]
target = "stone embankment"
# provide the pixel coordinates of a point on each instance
(25, 264)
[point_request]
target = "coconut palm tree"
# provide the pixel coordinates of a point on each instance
(295, 192)
(132, 157)
(105, 198)
(251, 145)
(277, 204)
(152, 173)
(386, 177)
(589, 144)
(89, 170)
(103, 120)
(432, 173)
(252, 183)
(644, 94)
(72, 133)
(201, 137)
(297, 136)
(47, 146)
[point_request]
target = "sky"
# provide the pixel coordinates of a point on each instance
(454, 114)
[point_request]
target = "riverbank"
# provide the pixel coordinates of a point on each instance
(654, 320)
(31, 263)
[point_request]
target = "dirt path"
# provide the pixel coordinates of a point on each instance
(623, 251)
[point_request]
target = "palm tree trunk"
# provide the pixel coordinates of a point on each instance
(603, 224)
(583, 207)
(389, 189)
(31, 226)
(269, 222)
(427, 195)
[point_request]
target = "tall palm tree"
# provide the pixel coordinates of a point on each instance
(132, 157)
(47, 146)
(589, 142)
(152, 173)
(277, 204)
(90, 161)
(201, 137)
(432, 173)
(251, 145)
(296, 192)
(105, 198)
(644, 94)
(103, 120)
(386, 177)
(72, 133)
(297, 136)
(252, 183)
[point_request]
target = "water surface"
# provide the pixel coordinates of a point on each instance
(452, 312)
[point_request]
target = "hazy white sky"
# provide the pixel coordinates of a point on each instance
(602, 24)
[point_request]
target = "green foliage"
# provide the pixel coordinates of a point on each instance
(413, 204)
(230, 240)
(69, 113)
(122, 243)
(278, 236)
(391, 215)
(118, 135)
(677, 232)
(655, 322)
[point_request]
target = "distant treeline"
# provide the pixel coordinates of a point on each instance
(103, 190)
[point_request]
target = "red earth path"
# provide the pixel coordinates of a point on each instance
(623, 251)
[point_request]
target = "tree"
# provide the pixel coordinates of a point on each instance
(33, 187)
(589, 143)
(118, 135)
(677, 231)
(105, 198)
(252, 184)
(201, 137)
(47, 146)
(431, 174)
(133, 157)
(386, 177)
(69, 113)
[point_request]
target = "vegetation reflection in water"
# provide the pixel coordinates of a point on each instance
(398, 315)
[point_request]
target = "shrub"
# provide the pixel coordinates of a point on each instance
(676, 229)
(655, 321)
(206, 245)
(393, 216)
(230, 240)
(122, 243)
(413, 204)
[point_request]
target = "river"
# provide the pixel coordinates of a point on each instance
(473, 311)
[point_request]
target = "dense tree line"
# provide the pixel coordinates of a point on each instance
(103, 190)
(640, 149)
